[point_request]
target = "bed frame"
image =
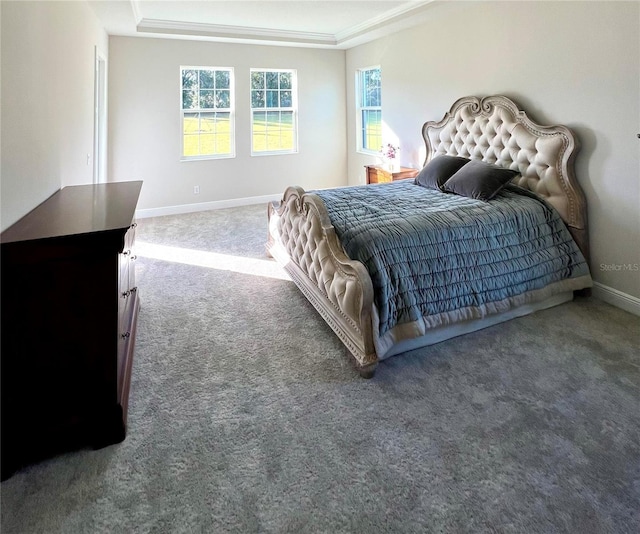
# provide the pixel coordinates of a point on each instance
(493, 129)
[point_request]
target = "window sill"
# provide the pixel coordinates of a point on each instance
(274, 153)
(205, 158)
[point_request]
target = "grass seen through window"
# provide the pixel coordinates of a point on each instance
(273, 130)
(209, 135)
(372, 121)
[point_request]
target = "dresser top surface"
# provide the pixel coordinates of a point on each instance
(78, 209)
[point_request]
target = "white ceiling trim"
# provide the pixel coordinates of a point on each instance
(389, 17)
(358, 34)
(136, 11)
(233, 32)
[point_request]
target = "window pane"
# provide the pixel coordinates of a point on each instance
(223, 118)
(368, 97)
(257, 80)
(207, 145)
(375, 97)
(189, 100)
(223, 99)
(285, 80)
(206, 99)
(285, 99)
(286, 120)
(207, 123)
(259, 142)
(286, 130)
(272, 99)
(223, 129)
(372, 126)
(206, 79)
(189, 79)
(367, 78)
(371, 95)
(222, 79)
(259, 121)
(273, 132)
(191, 145)
(191, 137)
(273, 120)
(223, 144)
(272, 80)
(190, 123)
(257, 99)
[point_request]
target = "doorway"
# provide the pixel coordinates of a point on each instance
(100, 121)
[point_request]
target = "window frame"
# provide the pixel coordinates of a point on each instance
(230, 110)
(361, 108)
(293, 109)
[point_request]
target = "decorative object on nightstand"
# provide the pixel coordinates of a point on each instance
(389, 155)
(377, 174)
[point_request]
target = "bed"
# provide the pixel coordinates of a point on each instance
(357, 252)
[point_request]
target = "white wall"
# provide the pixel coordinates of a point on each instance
(47, 100)
(572, 63)
(144, 121)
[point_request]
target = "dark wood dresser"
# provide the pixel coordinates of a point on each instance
(69, 311)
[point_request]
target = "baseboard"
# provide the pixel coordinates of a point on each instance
(204, 206)
(616, 298)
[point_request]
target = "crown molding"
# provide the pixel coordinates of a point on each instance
(391, 20)
(392, 16)
(137, 16)
(233, 32)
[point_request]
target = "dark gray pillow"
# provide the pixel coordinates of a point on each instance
(435, 173)
(480, 180)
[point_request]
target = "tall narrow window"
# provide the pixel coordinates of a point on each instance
(274, 111)
(369, 110)
(207, 112)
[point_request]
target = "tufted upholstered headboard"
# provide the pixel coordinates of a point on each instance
(495, 130)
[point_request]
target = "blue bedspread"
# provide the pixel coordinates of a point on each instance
(429, 252)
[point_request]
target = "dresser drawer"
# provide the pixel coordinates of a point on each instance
(383, 177)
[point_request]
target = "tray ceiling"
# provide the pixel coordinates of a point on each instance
(316, 23)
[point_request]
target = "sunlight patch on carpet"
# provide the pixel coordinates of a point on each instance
(212, 260)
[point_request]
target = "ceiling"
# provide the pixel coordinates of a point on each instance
(311, 23)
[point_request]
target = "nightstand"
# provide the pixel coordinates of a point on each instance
(377, 174)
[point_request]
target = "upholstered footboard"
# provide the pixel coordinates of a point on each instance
(303, 241)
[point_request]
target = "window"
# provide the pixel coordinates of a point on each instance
(273, 112)
(207, 113)
(369, 110)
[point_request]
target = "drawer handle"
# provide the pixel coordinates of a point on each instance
(126, 253)
(134, 257)
(126, 335)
